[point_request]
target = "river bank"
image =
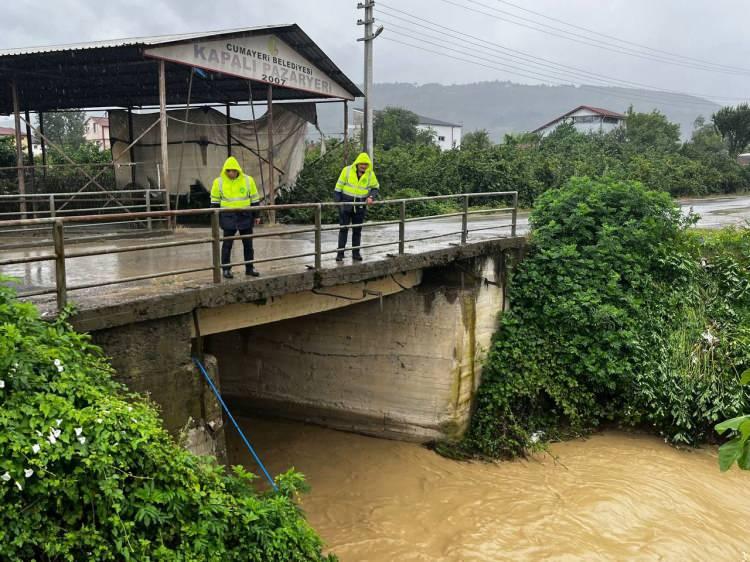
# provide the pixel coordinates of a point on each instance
(616, 495)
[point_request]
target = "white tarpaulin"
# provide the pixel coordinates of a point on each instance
(197, 150)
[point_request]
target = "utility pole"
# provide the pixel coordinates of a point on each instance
(369, 37)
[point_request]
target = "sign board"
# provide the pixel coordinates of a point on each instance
(263, 58)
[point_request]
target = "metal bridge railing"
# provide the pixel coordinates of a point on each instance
(62, 255)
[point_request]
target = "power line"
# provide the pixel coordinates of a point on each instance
(593, 31)
(531, 59)
(537, 77)
(570, 36)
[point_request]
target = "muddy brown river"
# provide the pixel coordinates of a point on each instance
(614, 496)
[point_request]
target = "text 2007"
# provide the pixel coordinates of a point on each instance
(273, 79)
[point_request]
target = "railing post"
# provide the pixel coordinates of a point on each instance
(401, 227)
(52, 205)
(58, 236)
(515, 214)
(465, 220)
(148, 208)
(215, 246)
(318, 221)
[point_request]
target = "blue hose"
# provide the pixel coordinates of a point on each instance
(236, 425)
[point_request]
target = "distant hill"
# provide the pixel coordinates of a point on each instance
(505, 107)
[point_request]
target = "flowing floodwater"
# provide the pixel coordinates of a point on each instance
(614, 496)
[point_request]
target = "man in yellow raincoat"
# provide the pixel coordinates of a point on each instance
(234, 189)
(357, 187)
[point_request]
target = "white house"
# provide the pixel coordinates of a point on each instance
(585, 119)
(97, 131)
(447, 135)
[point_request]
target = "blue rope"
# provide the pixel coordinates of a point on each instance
(236, 425)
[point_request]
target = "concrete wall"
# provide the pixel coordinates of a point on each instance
(154, 358)
(408, 371)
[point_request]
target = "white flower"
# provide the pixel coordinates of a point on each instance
(28, 472)
(56, 433)
(2, 383)
(709, 337)
(52, 439)
(82, 440)
(18, 485)
(60, 369)
(57, 362)
(36, 448)
(58, 422)
(78, 430)
(5, 477)
(130, 408)
(135, 421)
(99, 420)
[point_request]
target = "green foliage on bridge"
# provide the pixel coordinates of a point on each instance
(88, 473)
(618, 314)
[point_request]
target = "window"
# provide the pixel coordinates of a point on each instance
(93, 126)
(441, 139)
(584, 119)
(612, 120)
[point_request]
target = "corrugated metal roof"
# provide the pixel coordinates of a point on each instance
(134, 41)
(117, 73)
(432, 121)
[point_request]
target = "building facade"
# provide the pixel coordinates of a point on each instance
(585, 119)
(97, 132)
(447, 135)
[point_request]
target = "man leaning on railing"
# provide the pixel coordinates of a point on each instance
(234, 189)
(357, 186)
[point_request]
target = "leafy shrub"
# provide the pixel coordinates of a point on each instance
(88, 473)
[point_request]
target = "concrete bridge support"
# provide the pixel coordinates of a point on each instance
(406, 368)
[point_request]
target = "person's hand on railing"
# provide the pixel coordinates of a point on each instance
(370, 201)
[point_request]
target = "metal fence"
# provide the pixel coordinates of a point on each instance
(126, 202)
(61, 255)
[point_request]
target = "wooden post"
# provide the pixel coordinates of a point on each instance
(44, 145)
(271, 178)
(19, 150)
(346, 132)
(132, 148)
(30, 153)
(229, 132)
(163, 127)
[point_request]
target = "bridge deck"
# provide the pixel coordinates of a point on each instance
(290, 273)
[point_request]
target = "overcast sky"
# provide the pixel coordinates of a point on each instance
(710, 30)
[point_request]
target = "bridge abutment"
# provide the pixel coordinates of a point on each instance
(406, 368)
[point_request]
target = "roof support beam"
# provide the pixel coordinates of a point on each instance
(19, 148)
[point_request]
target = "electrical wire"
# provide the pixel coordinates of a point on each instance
(524, 56)
(570, 36)
(538, 76)
(612, 37)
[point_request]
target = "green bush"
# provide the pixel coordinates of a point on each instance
(88, 473)
(604, 315)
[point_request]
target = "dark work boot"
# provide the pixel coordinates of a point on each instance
(340, 256)
(252, 273)
(357, 256)
(228, 274)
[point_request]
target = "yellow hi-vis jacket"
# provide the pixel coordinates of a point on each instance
(358, 188)
(234, 193)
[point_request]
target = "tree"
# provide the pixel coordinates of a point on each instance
(705, 141)
(396, 126)
(66, 129)
(650, 130)
(733, 123)
(476, 140)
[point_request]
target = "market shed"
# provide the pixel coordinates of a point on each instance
(227, 68)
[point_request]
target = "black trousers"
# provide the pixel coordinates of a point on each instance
(351, 214)
(247, 247)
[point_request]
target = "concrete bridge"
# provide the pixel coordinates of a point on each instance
(389, 347)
